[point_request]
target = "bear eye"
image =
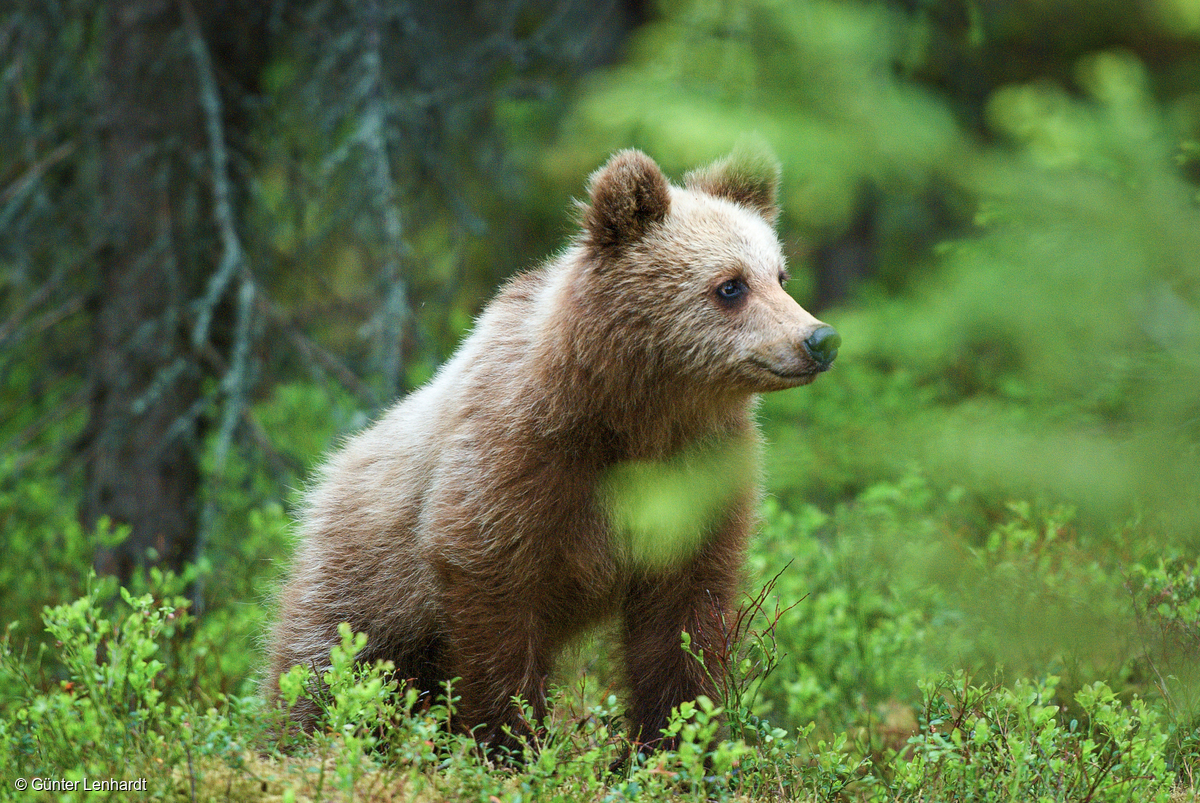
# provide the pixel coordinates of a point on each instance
(731, 290)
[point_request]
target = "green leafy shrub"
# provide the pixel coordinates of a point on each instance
(118, 692)
(1166, 600)
(906, 581)
(121, 706)
(991, 742)
(46, 548)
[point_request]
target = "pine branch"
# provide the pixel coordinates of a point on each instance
(393, 314)
(238, 379)
(232, 256)
(319, 360)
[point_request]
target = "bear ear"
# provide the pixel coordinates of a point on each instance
(749, 176)
(627, 196)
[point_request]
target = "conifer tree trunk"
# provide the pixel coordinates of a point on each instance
(142, 457)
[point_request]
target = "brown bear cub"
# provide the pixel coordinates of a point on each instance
(588, 453)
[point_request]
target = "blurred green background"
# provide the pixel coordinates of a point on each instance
(229, 235)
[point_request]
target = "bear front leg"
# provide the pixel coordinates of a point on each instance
(658, 608)
(661, 674)
(497, 650)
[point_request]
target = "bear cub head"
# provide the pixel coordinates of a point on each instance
(704, 256)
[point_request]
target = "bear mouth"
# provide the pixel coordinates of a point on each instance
(802, 377)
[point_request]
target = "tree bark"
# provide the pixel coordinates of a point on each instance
(142, 460)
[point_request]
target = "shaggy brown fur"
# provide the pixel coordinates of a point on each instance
(471, 531)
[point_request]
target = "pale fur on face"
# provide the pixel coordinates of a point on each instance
(706, 241)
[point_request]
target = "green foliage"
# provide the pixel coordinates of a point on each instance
(1042, 338)
(995, 743)
(906, 582)
(1029, 333)
(839, 684)
(43, 540)
(814, 79)
(112, 699)
(1166, 599)
(124, 704)
(662, 510)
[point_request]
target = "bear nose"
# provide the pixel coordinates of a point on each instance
(822, 345)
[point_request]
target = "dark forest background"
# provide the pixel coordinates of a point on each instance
(232, 231)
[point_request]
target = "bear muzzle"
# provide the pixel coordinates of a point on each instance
(798, 362)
